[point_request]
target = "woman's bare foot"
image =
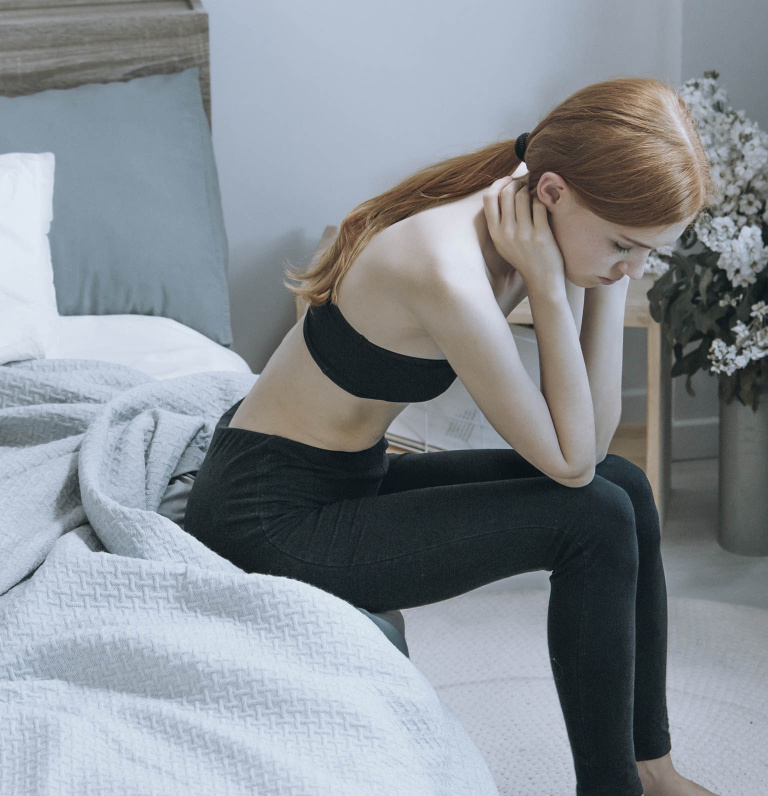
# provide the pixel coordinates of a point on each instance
(659, 778)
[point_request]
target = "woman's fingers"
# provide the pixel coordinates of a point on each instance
(491, 201)
(507, 200)
(540, 218)
(523, 207)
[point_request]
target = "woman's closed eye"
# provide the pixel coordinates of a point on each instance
(621, 248)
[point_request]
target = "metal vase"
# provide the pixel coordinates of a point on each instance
(743, 512)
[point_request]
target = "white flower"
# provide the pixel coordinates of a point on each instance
(655, 265)
(733, 225)
(749, 204)
(742, 254)
(751, 343)
(738, 153)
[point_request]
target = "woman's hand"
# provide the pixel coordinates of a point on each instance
(521, 233)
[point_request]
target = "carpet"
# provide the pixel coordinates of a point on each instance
(485, 653)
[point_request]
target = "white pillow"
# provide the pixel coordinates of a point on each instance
(28, 311)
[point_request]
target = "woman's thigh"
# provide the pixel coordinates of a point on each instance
(436, 540)
(437, 468)
(417, 470)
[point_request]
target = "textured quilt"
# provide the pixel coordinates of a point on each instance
(134, 660)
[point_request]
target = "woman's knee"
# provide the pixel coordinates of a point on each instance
(606, 519)
(628, 475)
(633, 480)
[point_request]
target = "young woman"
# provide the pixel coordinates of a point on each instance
(414, 292)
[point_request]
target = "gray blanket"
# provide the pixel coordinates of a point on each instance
(135, 660)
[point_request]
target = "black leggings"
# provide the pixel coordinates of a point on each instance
(390, 531)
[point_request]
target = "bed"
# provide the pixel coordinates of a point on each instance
(133, 659)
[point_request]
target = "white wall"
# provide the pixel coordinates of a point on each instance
(317, 107)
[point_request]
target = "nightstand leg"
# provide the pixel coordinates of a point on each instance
(658, 418)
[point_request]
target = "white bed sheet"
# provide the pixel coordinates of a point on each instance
(161, 347)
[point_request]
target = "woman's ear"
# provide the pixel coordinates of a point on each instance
(551, 189)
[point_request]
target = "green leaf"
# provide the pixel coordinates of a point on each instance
(705, 281)
(726, 388)
(706, 343)
(746, 378)
(700, 318)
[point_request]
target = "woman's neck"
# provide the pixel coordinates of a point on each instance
(470, 212)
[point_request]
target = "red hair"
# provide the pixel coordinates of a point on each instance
(627, 147)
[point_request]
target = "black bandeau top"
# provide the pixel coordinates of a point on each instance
(366, 370)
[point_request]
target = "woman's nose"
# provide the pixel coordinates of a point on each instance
(634, 270)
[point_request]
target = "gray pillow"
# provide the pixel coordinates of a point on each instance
(137, 221)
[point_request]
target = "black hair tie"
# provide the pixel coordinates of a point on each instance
(520, 145)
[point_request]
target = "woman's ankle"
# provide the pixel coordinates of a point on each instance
(654, 772)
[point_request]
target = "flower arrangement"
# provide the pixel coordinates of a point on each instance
(712, 284)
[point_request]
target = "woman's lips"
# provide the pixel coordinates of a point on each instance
(607, 281)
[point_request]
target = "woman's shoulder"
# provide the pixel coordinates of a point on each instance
(419, 253)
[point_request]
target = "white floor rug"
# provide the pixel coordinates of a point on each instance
(485, 653)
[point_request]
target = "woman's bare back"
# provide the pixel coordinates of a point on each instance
(295, 399)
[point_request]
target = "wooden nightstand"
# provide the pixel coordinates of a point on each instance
(646, 444)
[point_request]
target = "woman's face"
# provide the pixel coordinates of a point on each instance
(592, 247)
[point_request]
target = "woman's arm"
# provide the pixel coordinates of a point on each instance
(602, 341)
(576, 301)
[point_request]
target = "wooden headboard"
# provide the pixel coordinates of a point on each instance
(48, 44)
